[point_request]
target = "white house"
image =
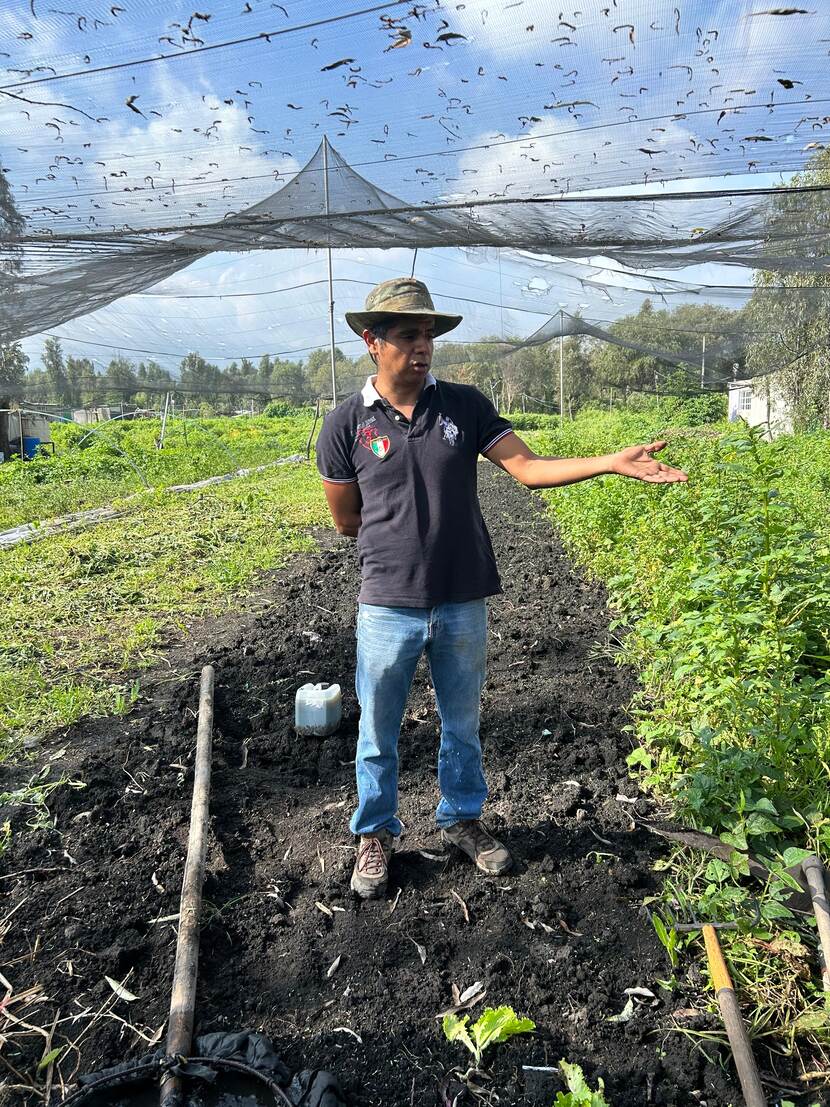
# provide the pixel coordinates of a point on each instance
(86, 415)
(759, 401)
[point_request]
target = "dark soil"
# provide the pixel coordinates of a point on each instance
(560, 939)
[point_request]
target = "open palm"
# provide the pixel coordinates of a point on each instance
(638, 462)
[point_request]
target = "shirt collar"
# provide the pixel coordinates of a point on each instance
(371, 395)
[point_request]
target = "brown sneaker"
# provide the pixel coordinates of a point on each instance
(371, 871)
(473, 838)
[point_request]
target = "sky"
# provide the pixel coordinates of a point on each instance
(515, 100)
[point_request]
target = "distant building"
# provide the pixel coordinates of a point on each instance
(757, 402)
(23, 434)
(86, 415)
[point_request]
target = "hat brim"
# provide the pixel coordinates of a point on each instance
(360, 321)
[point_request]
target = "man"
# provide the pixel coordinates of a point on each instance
(399, 462)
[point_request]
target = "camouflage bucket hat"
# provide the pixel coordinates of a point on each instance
(400, 296)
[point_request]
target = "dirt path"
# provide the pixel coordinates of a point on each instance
(560, 939)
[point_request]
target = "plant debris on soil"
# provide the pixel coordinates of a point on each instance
(336, 983)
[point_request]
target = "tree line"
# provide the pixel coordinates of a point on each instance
(711, 344)
(526, 377)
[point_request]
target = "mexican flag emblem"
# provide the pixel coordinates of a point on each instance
(380, 446)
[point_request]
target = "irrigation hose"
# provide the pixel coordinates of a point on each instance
(246, 1070)
(93, 1086)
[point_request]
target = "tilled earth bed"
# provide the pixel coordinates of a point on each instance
(560, 939)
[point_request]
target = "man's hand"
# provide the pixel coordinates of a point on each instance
(515, 457)
(638, 462)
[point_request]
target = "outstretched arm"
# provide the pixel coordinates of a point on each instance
(515, 457)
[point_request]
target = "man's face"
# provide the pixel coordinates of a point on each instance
(406, 352)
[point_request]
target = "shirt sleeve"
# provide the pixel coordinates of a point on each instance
(491, 426)
(334, 458)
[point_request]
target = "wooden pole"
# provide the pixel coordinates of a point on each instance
(734, 1023)
(313, 428)
(183, 998)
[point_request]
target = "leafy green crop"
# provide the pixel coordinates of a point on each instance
(722, 588)
(492, 1026)
(578, 1093)
(83, 610)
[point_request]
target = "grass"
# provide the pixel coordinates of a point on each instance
(99, 465)
(723, 588)
(83, 610)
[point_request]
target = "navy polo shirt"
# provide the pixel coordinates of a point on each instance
(422, 539)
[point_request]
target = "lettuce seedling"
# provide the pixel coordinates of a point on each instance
(494, 1025)
(579, 1094)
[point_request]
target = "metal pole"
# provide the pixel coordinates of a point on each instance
(163, 421)
(501, 297)
(561, 366)
(331, 280)
(703, 364)
(814, 872)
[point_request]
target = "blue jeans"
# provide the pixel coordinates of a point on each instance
(390, 640)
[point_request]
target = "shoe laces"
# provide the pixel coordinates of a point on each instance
(482, 838)
(371, 859)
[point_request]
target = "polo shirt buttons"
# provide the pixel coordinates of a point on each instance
(397, 418)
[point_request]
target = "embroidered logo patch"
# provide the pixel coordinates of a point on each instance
(449, 430)
(366, 432)
(380, 446)
(368, 436)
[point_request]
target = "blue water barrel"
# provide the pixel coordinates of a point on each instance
(30, 447)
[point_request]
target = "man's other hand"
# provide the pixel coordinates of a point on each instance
(638, 462)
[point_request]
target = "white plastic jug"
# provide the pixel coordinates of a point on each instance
(318, 709)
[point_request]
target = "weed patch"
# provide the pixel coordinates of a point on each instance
(82, 610)
(99, 465)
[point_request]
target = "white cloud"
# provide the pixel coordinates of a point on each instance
(545, 158)
(186, 158)
(513, 31)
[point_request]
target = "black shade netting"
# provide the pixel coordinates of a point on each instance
(658, 135)
(64, 275)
